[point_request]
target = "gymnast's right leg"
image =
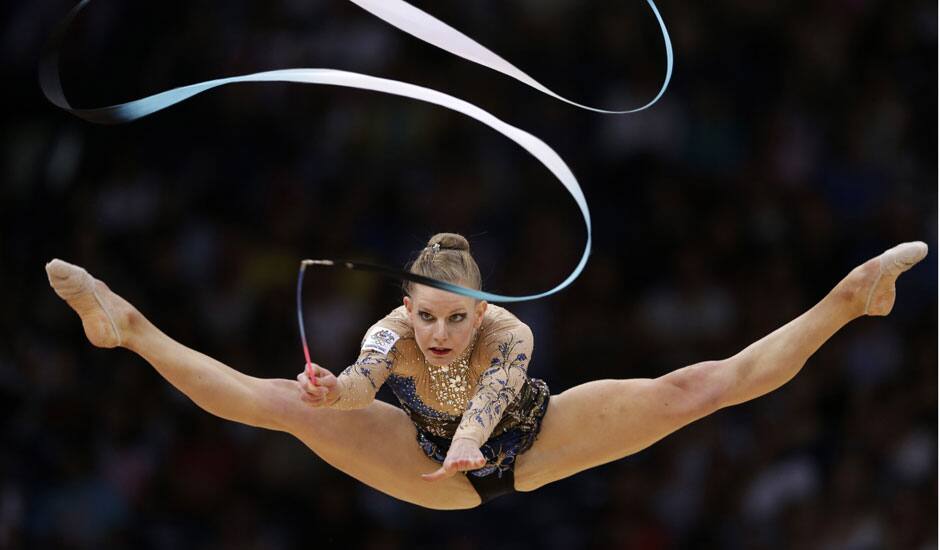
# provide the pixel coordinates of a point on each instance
(375, 445)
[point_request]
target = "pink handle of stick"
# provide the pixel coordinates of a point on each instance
(309, 367)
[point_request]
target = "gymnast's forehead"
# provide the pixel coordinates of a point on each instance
(439, 301)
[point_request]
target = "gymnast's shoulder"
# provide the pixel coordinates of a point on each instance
(500, 326)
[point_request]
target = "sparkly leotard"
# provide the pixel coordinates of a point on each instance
(484, 395)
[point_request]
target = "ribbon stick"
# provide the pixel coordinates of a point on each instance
(300, 321)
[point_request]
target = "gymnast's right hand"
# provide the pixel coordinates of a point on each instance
(317, 386)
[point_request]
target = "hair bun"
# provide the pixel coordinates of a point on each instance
(457, 266)
(449, 241)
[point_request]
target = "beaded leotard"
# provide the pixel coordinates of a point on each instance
(484, 395)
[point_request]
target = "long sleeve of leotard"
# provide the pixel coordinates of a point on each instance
(509, 353)
(359, 382)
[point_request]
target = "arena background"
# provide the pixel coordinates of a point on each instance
(795, 141)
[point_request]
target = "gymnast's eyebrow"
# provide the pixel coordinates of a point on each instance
(460, 309)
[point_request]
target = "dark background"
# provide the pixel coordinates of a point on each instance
(795, 141)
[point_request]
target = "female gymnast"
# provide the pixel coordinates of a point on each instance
(458, 367)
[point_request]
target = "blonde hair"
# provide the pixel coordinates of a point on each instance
(446, 258)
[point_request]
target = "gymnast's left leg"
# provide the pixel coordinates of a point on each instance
(606, 420)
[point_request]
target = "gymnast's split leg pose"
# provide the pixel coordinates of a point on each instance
(458, 367)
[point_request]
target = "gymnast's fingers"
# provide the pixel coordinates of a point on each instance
(323, 378)
(312, 399)
(471, 463)
(441, 473)
(320, 372)
(303, 381)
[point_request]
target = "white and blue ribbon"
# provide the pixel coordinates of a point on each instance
(412, 21)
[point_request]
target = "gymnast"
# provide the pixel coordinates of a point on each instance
(458, 367)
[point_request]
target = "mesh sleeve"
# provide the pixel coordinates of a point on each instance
(499, 385)
(359, 382)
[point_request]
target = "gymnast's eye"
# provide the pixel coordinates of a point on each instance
(425, 316)
(457, 317)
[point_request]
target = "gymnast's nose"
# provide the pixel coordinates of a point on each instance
(440, 333)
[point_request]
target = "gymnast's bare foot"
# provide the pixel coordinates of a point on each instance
(106, 316)
(870, 286)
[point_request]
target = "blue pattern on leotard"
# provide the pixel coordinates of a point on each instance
(514, 434)
(404, 389)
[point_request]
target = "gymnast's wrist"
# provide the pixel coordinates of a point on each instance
(334, 401)
(471, 435)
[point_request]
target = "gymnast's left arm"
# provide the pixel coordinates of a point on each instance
(499, 386)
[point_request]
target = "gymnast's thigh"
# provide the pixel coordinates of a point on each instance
(599, 422)
(377, 446)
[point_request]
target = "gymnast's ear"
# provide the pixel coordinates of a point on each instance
(480, 310)
(407, 301)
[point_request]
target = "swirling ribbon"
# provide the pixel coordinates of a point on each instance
(411, 20)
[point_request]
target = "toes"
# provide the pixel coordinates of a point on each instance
(91, 299)
(915, 252)
(894, 262)
(904, 256)
(66, 279)
(57, 270)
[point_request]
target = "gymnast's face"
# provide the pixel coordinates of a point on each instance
(443, 322)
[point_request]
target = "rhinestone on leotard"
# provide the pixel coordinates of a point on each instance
(451, 383)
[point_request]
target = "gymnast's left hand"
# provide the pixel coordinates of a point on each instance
(463, 455)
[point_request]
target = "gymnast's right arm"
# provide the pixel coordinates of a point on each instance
(357, 385)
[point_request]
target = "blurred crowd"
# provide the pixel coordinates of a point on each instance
(794, 142)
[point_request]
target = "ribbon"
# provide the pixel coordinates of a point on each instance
(417, 23)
